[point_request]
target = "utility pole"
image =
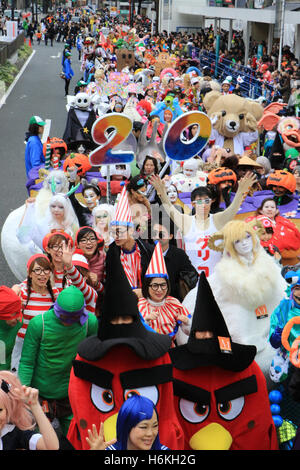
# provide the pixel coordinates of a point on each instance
(279, 27)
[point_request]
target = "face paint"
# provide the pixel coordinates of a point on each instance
(172, 194)
(90, 198)
(245, 246)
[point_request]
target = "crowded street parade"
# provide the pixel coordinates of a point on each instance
(150, 236)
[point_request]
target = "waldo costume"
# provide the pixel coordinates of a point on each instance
(221, 395)
(121, 360)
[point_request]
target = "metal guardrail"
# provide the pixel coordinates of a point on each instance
(250, 86)
(7, 49)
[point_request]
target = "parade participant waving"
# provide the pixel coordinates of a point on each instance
(137, 428)
(198, 228)
(20, 414)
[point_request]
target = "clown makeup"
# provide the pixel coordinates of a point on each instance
(143, 435)
(172, 194)
(245, 246)
(91, 198)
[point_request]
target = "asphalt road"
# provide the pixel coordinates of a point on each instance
(39, 91)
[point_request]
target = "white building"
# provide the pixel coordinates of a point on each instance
(258, 18)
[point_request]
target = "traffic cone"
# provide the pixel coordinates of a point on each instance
(29, 42)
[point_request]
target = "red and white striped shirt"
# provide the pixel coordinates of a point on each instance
(38, 303)
(168, 314)
(90, 295)
(131, 262)
(58, 280)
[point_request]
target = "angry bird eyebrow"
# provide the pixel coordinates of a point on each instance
(191, 392)
(146, 377)
(85, 371)
(236, 389)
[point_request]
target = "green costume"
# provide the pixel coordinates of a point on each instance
(7, 341)
(50, 347)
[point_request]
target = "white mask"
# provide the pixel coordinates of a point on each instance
(245, 246)
(172, 195)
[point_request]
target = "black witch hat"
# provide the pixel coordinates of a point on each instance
(120, 301)
(218, 350)
(277, 153)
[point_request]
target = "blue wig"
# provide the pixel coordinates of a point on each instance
(134, 410)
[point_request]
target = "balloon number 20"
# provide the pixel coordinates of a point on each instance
(117, 143)
(177, 146)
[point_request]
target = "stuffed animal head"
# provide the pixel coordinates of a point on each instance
(232, 114)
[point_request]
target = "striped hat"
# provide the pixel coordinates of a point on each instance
(123, 214)
(157, 265)
(78, 259)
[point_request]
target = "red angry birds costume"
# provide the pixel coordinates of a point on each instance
(123, 359)
(221, 397)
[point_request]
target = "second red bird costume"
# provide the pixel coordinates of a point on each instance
(221, 397)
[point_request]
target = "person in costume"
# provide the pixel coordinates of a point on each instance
(67, 71)
(286, 234)
(91, 194)
(34, 156)
(137, 428)
(220, 392)
(162, 312)
(172, 193)
(50, 345)
(102, 216)
(89, 241)
(80, 119)
(77, 271)
(125, 358)
(246, 303)
(288, 308)
(182, 274)
(134, 253)
(37, 295)
(23, 424)
(59, 215)
(53, 247)
(10, 323)
(197, 229)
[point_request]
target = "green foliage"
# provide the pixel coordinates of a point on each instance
(24, 51)
(8, 73)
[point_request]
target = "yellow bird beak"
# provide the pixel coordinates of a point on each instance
(110, 427)
(212, 437)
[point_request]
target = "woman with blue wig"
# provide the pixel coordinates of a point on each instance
(137, 428)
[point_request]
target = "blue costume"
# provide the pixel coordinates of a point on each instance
(33, 153)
